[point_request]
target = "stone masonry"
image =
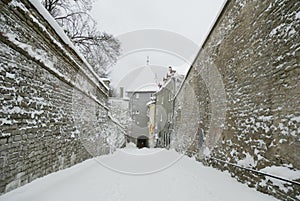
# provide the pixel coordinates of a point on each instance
(243, 91)
(53, 111)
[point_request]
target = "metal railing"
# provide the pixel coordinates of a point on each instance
(256, 171)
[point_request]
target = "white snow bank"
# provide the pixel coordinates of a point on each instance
(130, 145)
(281, 171)
(184, 180)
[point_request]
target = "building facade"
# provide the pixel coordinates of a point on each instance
(138, 131)
(152, 118)
(163, 105)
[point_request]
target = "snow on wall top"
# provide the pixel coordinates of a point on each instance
(46, 15)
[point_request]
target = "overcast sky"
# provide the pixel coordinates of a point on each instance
(181, 23)
(190, 18)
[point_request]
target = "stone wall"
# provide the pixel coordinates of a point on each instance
(191, 114)
(243, 91)
(53, 111)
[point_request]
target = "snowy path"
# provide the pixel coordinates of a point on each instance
(185, 179)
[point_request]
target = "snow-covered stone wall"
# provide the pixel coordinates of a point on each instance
(53, 111)
(242, 93)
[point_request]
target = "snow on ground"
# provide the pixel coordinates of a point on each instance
(168, 176)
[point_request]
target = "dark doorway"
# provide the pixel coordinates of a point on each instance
(142, 141)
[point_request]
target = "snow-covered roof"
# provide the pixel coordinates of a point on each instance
(144, 80)
(176, 76)
(151, 87)
(150, 102)
(105, 79)
(143, 90)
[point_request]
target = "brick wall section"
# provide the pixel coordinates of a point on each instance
(254, 46)
(53, 111)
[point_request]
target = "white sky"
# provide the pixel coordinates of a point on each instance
(190, 18)
(180, 27)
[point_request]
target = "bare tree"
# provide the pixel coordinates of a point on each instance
(99, 48)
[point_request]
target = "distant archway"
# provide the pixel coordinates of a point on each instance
(142, 141)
